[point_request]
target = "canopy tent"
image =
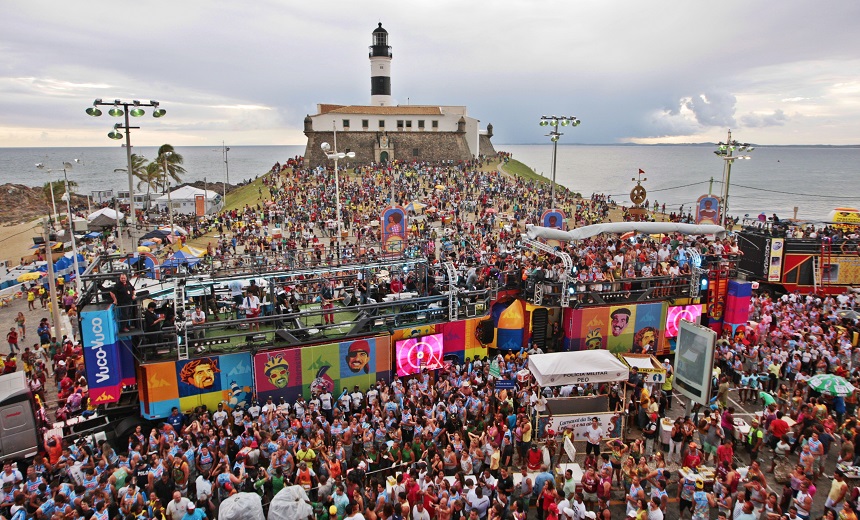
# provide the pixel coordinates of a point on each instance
(65, 265)
(156, 233)
(415, 206)
(582, 233)
(193, 251)
(94, 234)
(106, 212)
(570, 368)
(180, 258)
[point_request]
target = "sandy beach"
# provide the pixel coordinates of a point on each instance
(16, 241)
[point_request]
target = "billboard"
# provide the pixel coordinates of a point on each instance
(416, 354)
(708, 210)
(774, 263)
(196, 382)
(694, 361)
(394, 226)
(296, 371)
(101, 353)
(636, 328)
(674, 315)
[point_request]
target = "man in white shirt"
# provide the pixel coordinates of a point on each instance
(236, 294)
(418, 511)
(593, 436)
(220, 415)
(357, 398)
(204, 489)
(251, 306)
(198, 317)
(177, 507)
(326, 402)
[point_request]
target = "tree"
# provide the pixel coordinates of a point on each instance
(59, 189)
(173, 160)
(149, 176)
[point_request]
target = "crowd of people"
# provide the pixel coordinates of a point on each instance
(447, 445)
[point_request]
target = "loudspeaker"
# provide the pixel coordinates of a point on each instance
(487, 331)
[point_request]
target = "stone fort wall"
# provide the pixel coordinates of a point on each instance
(406, 146)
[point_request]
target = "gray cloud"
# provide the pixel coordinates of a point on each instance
(777, 118)
(713, 108)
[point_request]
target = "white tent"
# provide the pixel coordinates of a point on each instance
(108, 212)
(580, 367)
(184, 200)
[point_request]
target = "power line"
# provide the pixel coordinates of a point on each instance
(789, 192)
(665, 189)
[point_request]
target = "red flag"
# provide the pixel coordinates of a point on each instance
(641, 170)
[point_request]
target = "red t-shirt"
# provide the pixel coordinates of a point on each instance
(778, 428)
(692, 460)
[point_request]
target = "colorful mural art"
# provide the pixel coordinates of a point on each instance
(190, 383)
(636, 328)
(291, 372)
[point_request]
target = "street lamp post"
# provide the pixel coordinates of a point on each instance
(133, 109)
(726, 152)
(333, 154)
(68, 198)
(226, 167)
(554, 135)
(169, 200)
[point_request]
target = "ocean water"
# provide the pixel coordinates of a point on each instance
(774, 180)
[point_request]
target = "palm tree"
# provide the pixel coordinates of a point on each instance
(149, 176)
(173, 160)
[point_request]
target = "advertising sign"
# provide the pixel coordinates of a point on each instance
(691, 313)
(694, 361)
(774, 264)
(394, 228)
(101, 353)
(609, 421)
(416, 354)
(708, 210)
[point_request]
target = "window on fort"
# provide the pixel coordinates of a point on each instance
(365, 123)
(415, 152)
(400, 124)
(421, 124)
(346, 123)
(408, 124)
(382, 123)
(435, 124)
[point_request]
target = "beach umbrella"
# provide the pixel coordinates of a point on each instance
(374, 223)
(848, 314)
(143, 249)
(492, 210)
(29, 277)
(830, 384)
(440, 187)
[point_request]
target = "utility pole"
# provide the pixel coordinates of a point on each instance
(711, 186)
(52, 288)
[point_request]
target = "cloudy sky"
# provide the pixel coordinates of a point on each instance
(248, 72)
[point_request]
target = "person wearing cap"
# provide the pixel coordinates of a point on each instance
(702, 501)
(755, 440)
(193, 513)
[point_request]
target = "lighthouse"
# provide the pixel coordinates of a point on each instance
(380, 68)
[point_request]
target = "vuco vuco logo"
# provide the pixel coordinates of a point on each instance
(98, 341)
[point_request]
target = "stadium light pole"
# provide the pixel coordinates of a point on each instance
(68, 198)
(134, 109)
(554, 135)
(726, 152)
(333, 154)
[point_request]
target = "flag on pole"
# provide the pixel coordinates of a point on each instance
(495, 370)
(641, 170)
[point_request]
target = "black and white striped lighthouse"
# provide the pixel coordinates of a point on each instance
(380, 68)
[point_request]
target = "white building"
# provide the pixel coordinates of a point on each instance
(189, 200)
(382, 131)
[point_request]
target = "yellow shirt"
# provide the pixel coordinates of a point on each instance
(527, 435)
